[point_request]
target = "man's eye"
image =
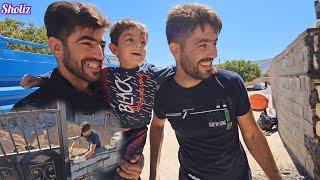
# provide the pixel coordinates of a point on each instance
(86, 43)
(203, 45)
(143, 42)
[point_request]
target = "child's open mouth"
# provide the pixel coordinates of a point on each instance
(136, 54)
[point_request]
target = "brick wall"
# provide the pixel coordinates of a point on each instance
(295, 79)
(103, 161)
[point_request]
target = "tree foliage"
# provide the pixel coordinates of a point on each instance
(24, 31)
(246, 69)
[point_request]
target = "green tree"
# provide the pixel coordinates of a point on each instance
(24, 31)
(246, 69)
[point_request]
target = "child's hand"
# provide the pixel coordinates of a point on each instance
(131, 169)
(29, 81)
(214, 70)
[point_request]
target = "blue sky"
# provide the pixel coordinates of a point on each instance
(252, 29)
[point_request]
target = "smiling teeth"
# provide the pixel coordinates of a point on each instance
(205, 63)
(92, 64)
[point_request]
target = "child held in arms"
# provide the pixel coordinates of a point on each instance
(129, 89)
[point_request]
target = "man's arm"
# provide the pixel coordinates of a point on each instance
(258, 145)
(90, 153)
(156, 138)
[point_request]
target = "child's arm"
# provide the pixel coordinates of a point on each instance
(163, 73)
(133, 161)
(137, 140)
(29, 81)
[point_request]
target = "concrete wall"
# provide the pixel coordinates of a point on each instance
(295, 78)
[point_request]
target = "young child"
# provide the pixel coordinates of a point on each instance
(130, 88)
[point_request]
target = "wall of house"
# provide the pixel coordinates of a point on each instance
(295, 82)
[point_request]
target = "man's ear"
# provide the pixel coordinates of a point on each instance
(55, 46)
(113, 48)
(175, 49)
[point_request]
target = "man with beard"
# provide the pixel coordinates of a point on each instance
(205, 110)
(76, 37)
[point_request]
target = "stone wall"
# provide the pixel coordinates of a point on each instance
(295, 79)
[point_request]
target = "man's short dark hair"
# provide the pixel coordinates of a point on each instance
(84, 126)
(117, 29)
(317, 9)
(61, 18)
(184, 19)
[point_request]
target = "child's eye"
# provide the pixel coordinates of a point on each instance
(129, 40)
(143, 42)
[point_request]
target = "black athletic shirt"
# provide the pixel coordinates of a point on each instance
(204, 118)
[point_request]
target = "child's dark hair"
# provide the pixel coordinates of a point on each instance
(123, 25)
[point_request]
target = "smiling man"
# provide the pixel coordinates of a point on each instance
(205, 110)
(76, 37)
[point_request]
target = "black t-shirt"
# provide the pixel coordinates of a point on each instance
(131, 92)
(94, 139)
(57, 87)
(204, 118)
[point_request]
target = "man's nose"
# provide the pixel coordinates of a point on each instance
(212, 52)
(99, 53)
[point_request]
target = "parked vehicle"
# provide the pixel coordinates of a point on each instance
(259, 86)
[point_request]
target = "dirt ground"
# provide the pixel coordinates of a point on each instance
(169, 164)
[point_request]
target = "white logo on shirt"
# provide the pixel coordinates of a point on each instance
(193, 177)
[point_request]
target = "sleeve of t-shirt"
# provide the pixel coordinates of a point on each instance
(45, 77)
(95, 139)
(157, 107)
(242, 99)
(160, 73)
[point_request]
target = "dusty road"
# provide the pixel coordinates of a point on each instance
(169, 157)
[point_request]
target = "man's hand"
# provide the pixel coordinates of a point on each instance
(90, 153)
(29, 81)
(132, 169)
(71, 147)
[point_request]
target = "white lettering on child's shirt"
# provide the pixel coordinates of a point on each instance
(125, 94)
